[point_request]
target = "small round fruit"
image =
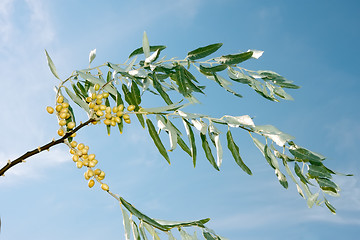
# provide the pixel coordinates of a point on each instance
(93, 96)
(90, 172)
(49, 109)
(115, 109)
(120, 107)
(104, 187)
(105, 95)
(65, 105)
(58, 108)
(108, 115)
(99, 113)
(107, 122)
(128, 121)
(97, 87)
(97, 171)
(126, 116)
(63, 115)
(62, 122)
(61, 132)
(86, 176)
(73, 135)
(71, 125)
(99, 96)
(79, 164)
(75, 158)
(88, 99)
(102, 174)
(60, 99)
(131, 108)
(91, 105)
(73, 144)
(91, 183)
(113, 123)
(119, 113)
(81, 146)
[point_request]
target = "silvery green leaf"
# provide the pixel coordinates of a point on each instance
(109, 88)
(190, 115)
(171, 237)
(152, 231)
(171, 107)
(141, 73)
(131, 64)
(300, 191)
(279, 137)
(135, 230)
(215, 137)
(244, 120)
(222, 80)
(153, 56)
(281, 177)
(312, 199)
(51, 65)
(166, 126)
(145, 45)
(77, 100)
(115, 67)
(126, 223)
(92, 55)
(256, 53)
(199, 125)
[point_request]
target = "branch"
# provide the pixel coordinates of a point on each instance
(47, 146)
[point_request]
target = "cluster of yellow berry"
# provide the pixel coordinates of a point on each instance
(63, 113)
(110, 116)
(82, 158)
(79, 151)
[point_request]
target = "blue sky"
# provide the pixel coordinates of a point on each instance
(314, 43)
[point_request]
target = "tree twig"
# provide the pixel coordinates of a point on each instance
(47, 146)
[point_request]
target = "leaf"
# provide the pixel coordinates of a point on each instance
(235, 58)
(167, 126)
(160, 90)
(116, 67)
(152, 49)
(200, 126)
(153, 56)
(136, 93)
(142, 216)
(312, 199)
(191, 137)
(208, 236)
(217, 68)
(152, 231)
(145, 45)
(109, 88)
(183, 145)
(172, 224)
(171, 107)
(318, 171)
(155, 137)
(330, 207)
(92, 55)
(327, 184)
(142, 230)
(77, 100)
(270, 158)
(108, 127)
(135, 230)
(126, 223)
(214, 134)
(279, 137)
(51, 65)
(238, 76)
(259, 145)
(306, 155)
(300, 175)
(207, 150)
(203, 51)
(256, 53)
(82, 89)
(234, 149)
(222, 83)
(237, 121)
(281, 177)
(171, 237)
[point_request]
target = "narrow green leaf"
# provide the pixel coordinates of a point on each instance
(51, 65)
(208, 236)
(171, 107)
(126, 223)
(203, 51)
(92, 55)
(108, 127)
(327, 184)
(234, 149)
(270, 158)
(183, 145)
(135, 230)
(145, 45)
(312, 199)
(109, 87)
(82, 89)
(318, 171)
(77, 100)
(207, 150)
(179, 78)
(77, 91)
(166, 125)
(220, 81)
(330, 207)
(155, 137)
(142, 230)
(259, 145)
(160, 90)
(136, 93)
(212, 69)
(191, 137)
(281, 177)
(142, 216)
(307, 155)
(300, 174)
(172, 224)
(238, 76)
(235, 58)
(152, 231)
(152, 49)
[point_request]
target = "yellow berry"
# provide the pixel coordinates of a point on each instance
(97, 171)
(104, 187)
(79, 164)
(86, 176)
(67, 115)
(60, 99)
(108, 115)
(72, 151)
(90, 172)
(99, 113)
(96, 107)
(65, 105)
(117, 119)
(91, 156)
(130, 108)
(119, 113)
(81, 146)
(64, 110)
(108, 110)
(91, 105)
(113, 123)
(61, 132)
(84, 151)
(127, 121)
(88, 99)
(91, 183)
(102, 107)
(99, 96)
(93, 96)
(86, 162)
(75, 158)
(115, 109)
(73, 135)
(107, 122)
(62, 122)
(63, 115)
(94, 161)
(102, 174)
(49, 109)
(73, 144)
(97, 87)
(58, 108)
(121, 107)
(126, 116)
(71, 125)
(105, 94)
(98, 101)
(92, 164)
